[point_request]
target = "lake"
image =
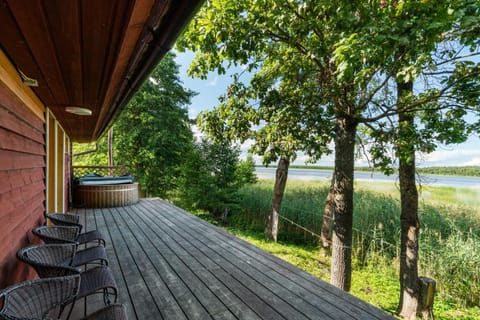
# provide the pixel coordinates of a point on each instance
(326, 175)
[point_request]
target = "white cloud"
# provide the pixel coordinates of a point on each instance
(473, 162)
(213, 82)
(452, 157)
(197, 134)
(467, 154)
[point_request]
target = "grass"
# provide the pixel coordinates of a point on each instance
(376, 283)
(449, 252)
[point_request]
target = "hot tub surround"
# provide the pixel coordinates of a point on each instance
(95, 180)
(93, 191)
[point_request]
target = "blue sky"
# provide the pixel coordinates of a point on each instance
(215, 85)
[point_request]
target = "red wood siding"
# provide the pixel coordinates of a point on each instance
(22, 184)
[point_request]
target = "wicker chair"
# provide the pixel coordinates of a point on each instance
(72, 220)
(112, 312)
(65, 219)
(48, 260)
(36, 299)
(62, 234)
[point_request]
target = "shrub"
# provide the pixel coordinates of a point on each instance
(210, 176)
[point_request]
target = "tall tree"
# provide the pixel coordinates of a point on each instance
(300, 45)
(152, 132)
(344, 54)
(410, 225)
(281, 174)
(271, 118)
(425, 43)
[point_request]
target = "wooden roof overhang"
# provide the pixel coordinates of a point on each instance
(89, 53)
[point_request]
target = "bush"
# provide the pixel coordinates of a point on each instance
(211, 176)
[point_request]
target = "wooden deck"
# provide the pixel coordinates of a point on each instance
(169, 264)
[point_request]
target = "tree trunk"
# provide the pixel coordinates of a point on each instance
(342, 203)
(326, 232)
(271, 231)
(409, 283)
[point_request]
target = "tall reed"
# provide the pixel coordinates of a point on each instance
(449, 241)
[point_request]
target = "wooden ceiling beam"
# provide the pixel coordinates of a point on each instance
(64, 21)
(140, 13)
(89, 53)
(34, 28)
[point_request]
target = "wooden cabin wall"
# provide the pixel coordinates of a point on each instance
(22, 183)
(22, 171)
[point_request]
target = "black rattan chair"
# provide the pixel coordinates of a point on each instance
(112, 312)
(72, 220)
(65, 219)
(36, 299)
(48, 260)
(63, 234)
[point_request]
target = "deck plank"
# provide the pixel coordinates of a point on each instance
(219, 281)
(285, 277)
(290, 306)
(352, 305)
(169, 264)
(169, 270)
(92, 303)
(291, 298)
(133, 265)
(114, 251)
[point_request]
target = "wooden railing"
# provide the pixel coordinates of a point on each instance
(79, 171)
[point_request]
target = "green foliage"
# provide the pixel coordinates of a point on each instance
(377, 282)
(424, 38)
(454, 260)
(322, 68)
(281, 108)
(210, 176)
(449, 240)
(153, 133)
(98, 158)
(467, 171)
(245, 171)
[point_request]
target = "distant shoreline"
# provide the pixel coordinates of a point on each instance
(465, 171)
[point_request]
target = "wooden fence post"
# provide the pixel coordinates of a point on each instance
(427, 295)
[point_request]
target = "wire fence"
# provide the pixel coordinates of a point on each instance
(449, 238)
(365, 234)
(306, 223)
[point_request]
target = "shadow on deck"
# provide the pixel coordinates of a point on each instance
(169, 264)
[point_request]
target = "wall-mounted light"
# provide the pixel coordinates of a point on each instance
(79, 111)
(27, 80)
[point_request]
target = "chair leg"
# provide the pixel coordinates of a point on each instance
(60, 311)
(71, 309)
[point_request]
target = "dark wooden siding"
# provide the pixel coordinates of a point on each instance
(22, 183)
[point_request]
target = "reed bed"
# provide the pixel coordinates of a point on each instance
(449, 240)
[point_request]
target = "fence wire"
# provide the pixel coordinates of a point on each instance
(318, 220)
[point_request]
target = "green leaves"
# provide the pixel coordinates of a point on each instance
(152, 133)
(210, 176)
(315, 61)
